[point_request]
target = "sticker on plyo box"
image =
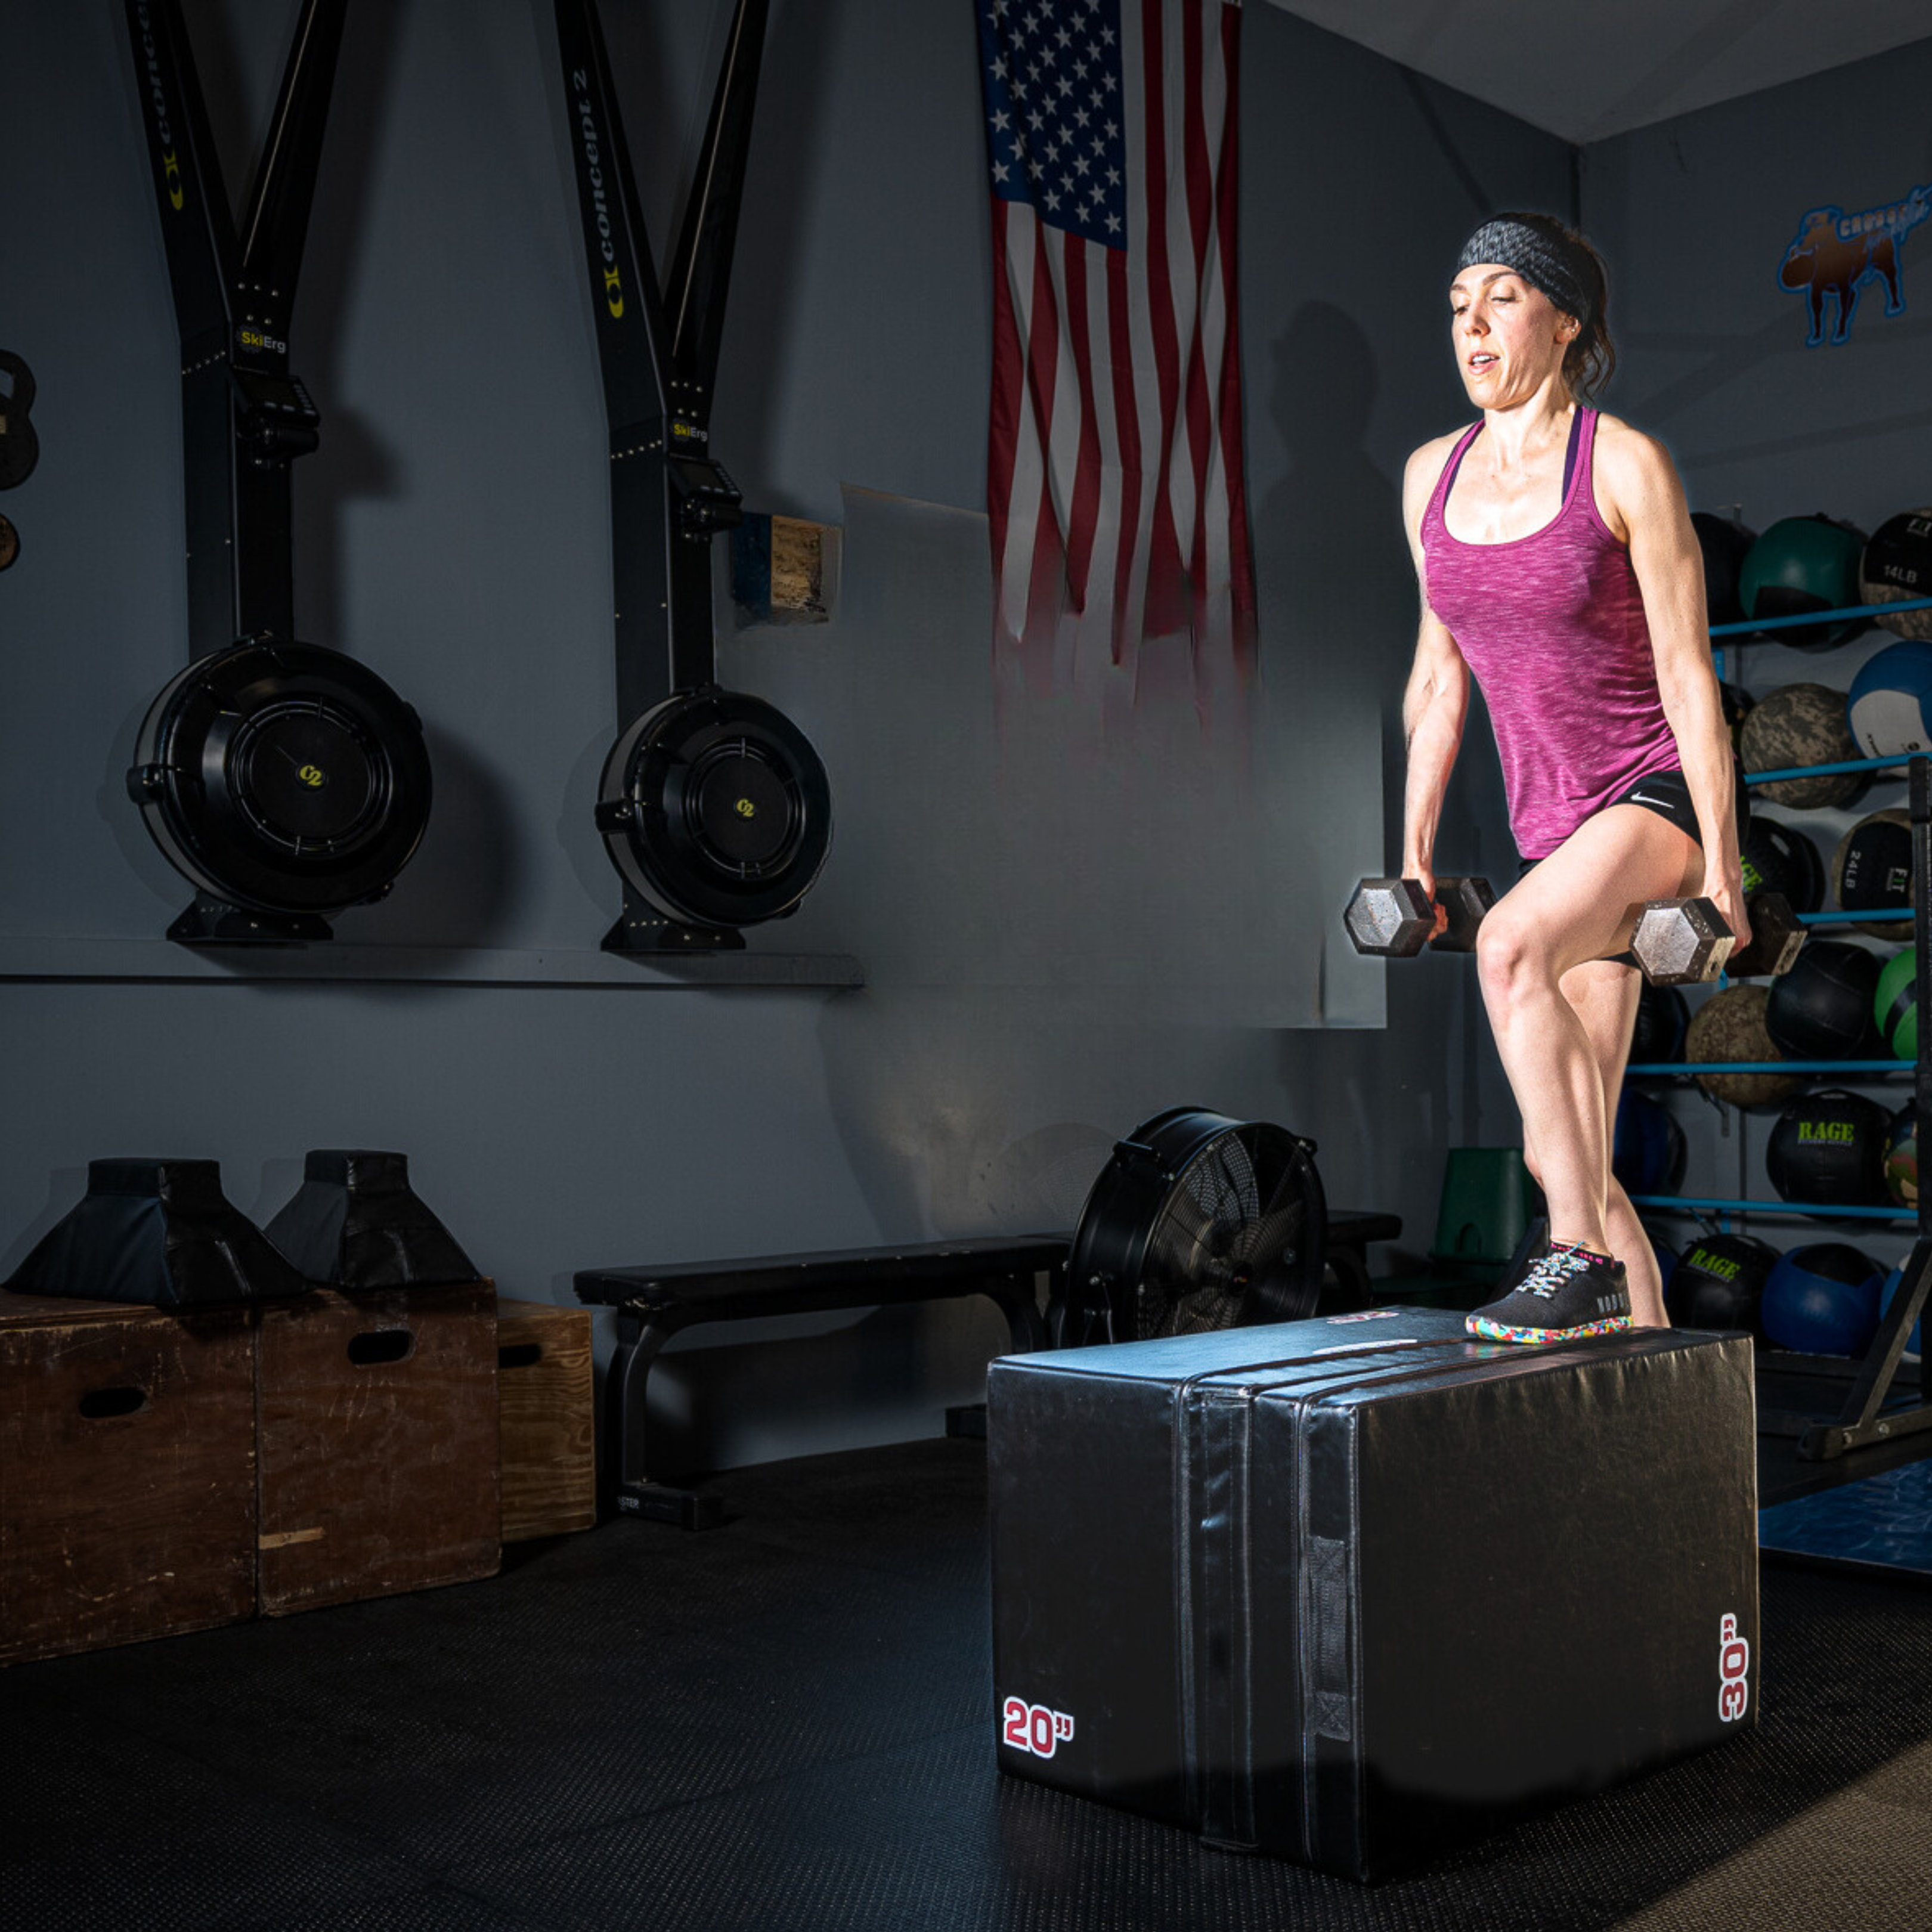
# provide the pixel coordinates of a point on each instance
(1033, 1728)
(1365, 1315)
(1733, 1670)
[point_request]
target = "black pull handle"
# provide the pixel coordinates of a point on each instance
(378, 1347)
(99, 1405)
(519, 1355)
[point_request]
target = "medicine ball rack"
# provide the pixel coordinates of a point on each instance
(285, 780)
(1864, 1420)
(713, 805)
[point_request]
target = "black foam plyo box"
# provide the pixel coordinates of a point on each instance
(1351, 1591)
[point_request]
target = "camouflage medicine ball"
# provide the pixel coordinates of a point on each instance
(1729, 1025)
(1802, 725)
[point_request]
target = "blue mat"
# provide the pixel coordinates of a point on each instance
(1882, 1523)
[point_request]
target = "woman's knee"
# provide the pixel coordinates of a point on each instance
(1510, 956)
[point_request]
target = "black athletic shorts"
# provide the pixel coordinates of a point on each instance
(1668, 795)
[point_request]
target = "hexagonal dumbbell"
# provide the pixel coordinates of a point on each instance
(1394, 918)
(1681, 942)
(1777, 939)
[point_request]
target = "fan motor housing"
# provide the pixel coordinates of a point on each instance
(1150, 1174)
(715, 808)
(283, 776)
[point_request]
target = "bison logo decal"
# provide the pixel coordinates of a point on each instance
(1837, 254)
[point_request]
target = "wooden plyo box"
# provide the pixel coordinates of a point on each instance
(127, 1499)
(376, 1443)
(549, 1430)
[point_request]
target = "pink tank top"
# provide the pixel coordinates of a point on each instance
(1553, 625)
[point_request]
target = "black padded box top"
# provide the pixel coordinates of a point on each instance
(355, 1223)
(158, 1232)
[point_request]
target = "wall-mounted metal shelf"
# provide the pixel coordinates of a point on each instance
(139, 961)
(1712, 1204)
(1751, 630)
(1689, 1069)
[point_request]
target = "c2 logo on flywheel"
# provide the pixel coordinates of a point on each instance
(746, 809)
(1033, 1728)
(1733, 1669)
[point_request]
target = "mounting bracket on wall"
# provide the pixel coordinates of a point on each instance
(713, 805)
(284, 780)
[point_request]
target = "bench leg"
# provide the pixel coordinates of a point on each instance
(639, 1344)
(1351, 1269)
(1015, 1295)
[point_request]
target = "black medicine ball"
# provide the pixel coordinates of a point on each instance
(1829, 1148)
(1725, 543)
(1778, 858)
(1871, 871)
(1897, 567)
(1822, 1008)
(1662, 1018)
(1718, 1280)
(1648, 1148)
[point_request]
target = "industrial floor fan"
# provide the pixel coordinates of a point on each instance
(1197, 1221)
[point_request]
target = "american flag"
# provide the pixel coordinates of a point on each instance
(1114, 482)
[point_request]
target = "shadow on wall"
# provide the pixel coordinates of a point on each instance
(785, 181)
(1336, 571)
(354, 463)
(461, 888)
(1337, 576)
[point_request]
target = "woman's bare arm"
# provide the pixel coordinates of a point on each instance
(1642, 501)
(1436, 702)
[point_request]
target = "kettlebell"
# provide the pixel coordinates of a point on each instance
(19, 443)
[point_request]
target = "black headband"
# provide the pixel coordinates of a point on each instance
(1561, 270)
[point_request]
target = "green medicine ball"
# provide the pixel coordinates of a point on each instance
(1895, 1004)
(1800, 565)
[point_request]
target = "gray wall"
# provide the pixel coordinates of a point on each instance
(452, 533)
(1695, 215)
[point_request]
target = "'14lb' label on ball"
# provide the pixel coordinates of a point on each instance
(1733, 1671)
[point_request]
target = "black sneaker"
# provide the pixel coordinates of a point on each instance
(1567, 1292)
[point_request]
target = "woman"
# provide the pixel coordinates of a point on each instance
(1559, 565)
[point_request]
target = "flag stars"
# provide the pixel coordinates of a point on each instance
(1001, 120)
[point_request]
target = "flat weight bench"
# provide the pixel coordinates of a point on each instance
(652, 1304)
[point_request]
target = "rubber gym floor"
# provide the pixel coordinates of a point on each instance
(786, 1724)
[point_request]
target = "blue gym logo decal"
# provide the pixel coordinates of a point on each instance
(1835, 254)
